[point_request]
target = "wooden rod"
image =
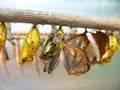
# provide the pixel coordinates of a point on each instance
(54, 18)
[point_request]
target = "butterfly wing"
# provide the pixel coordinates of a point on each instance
(52, 63)
(74, 60)
(51, 51)
(53, 44)
(102, 41)
(82, 41)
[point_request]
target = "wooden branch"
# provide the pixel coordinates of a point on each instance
(41, 17)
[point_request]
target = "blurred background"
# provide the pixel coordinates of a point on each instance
(105, 77)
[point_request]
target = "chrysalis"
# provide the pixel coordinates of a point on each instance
(113, 46)
(3, 35)
(30, 46)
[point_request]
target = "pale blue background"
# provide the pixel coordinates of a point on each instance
(98, 78)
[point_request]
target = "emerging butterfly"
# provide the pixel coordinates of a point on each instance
(93, 44)
(52, 45)
(51, 50)
(56, 48)
(30, 46)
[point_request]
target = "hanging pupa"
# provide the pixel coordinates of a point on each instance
(3, 35)
(113, 46)
(30, 46)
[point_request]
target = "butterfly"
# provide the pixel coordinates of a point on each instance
(57, 49)
(52, 45)
(94, 45)
(30, 46)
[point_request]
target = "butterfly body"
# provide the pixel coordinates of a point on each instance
(53, 45)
